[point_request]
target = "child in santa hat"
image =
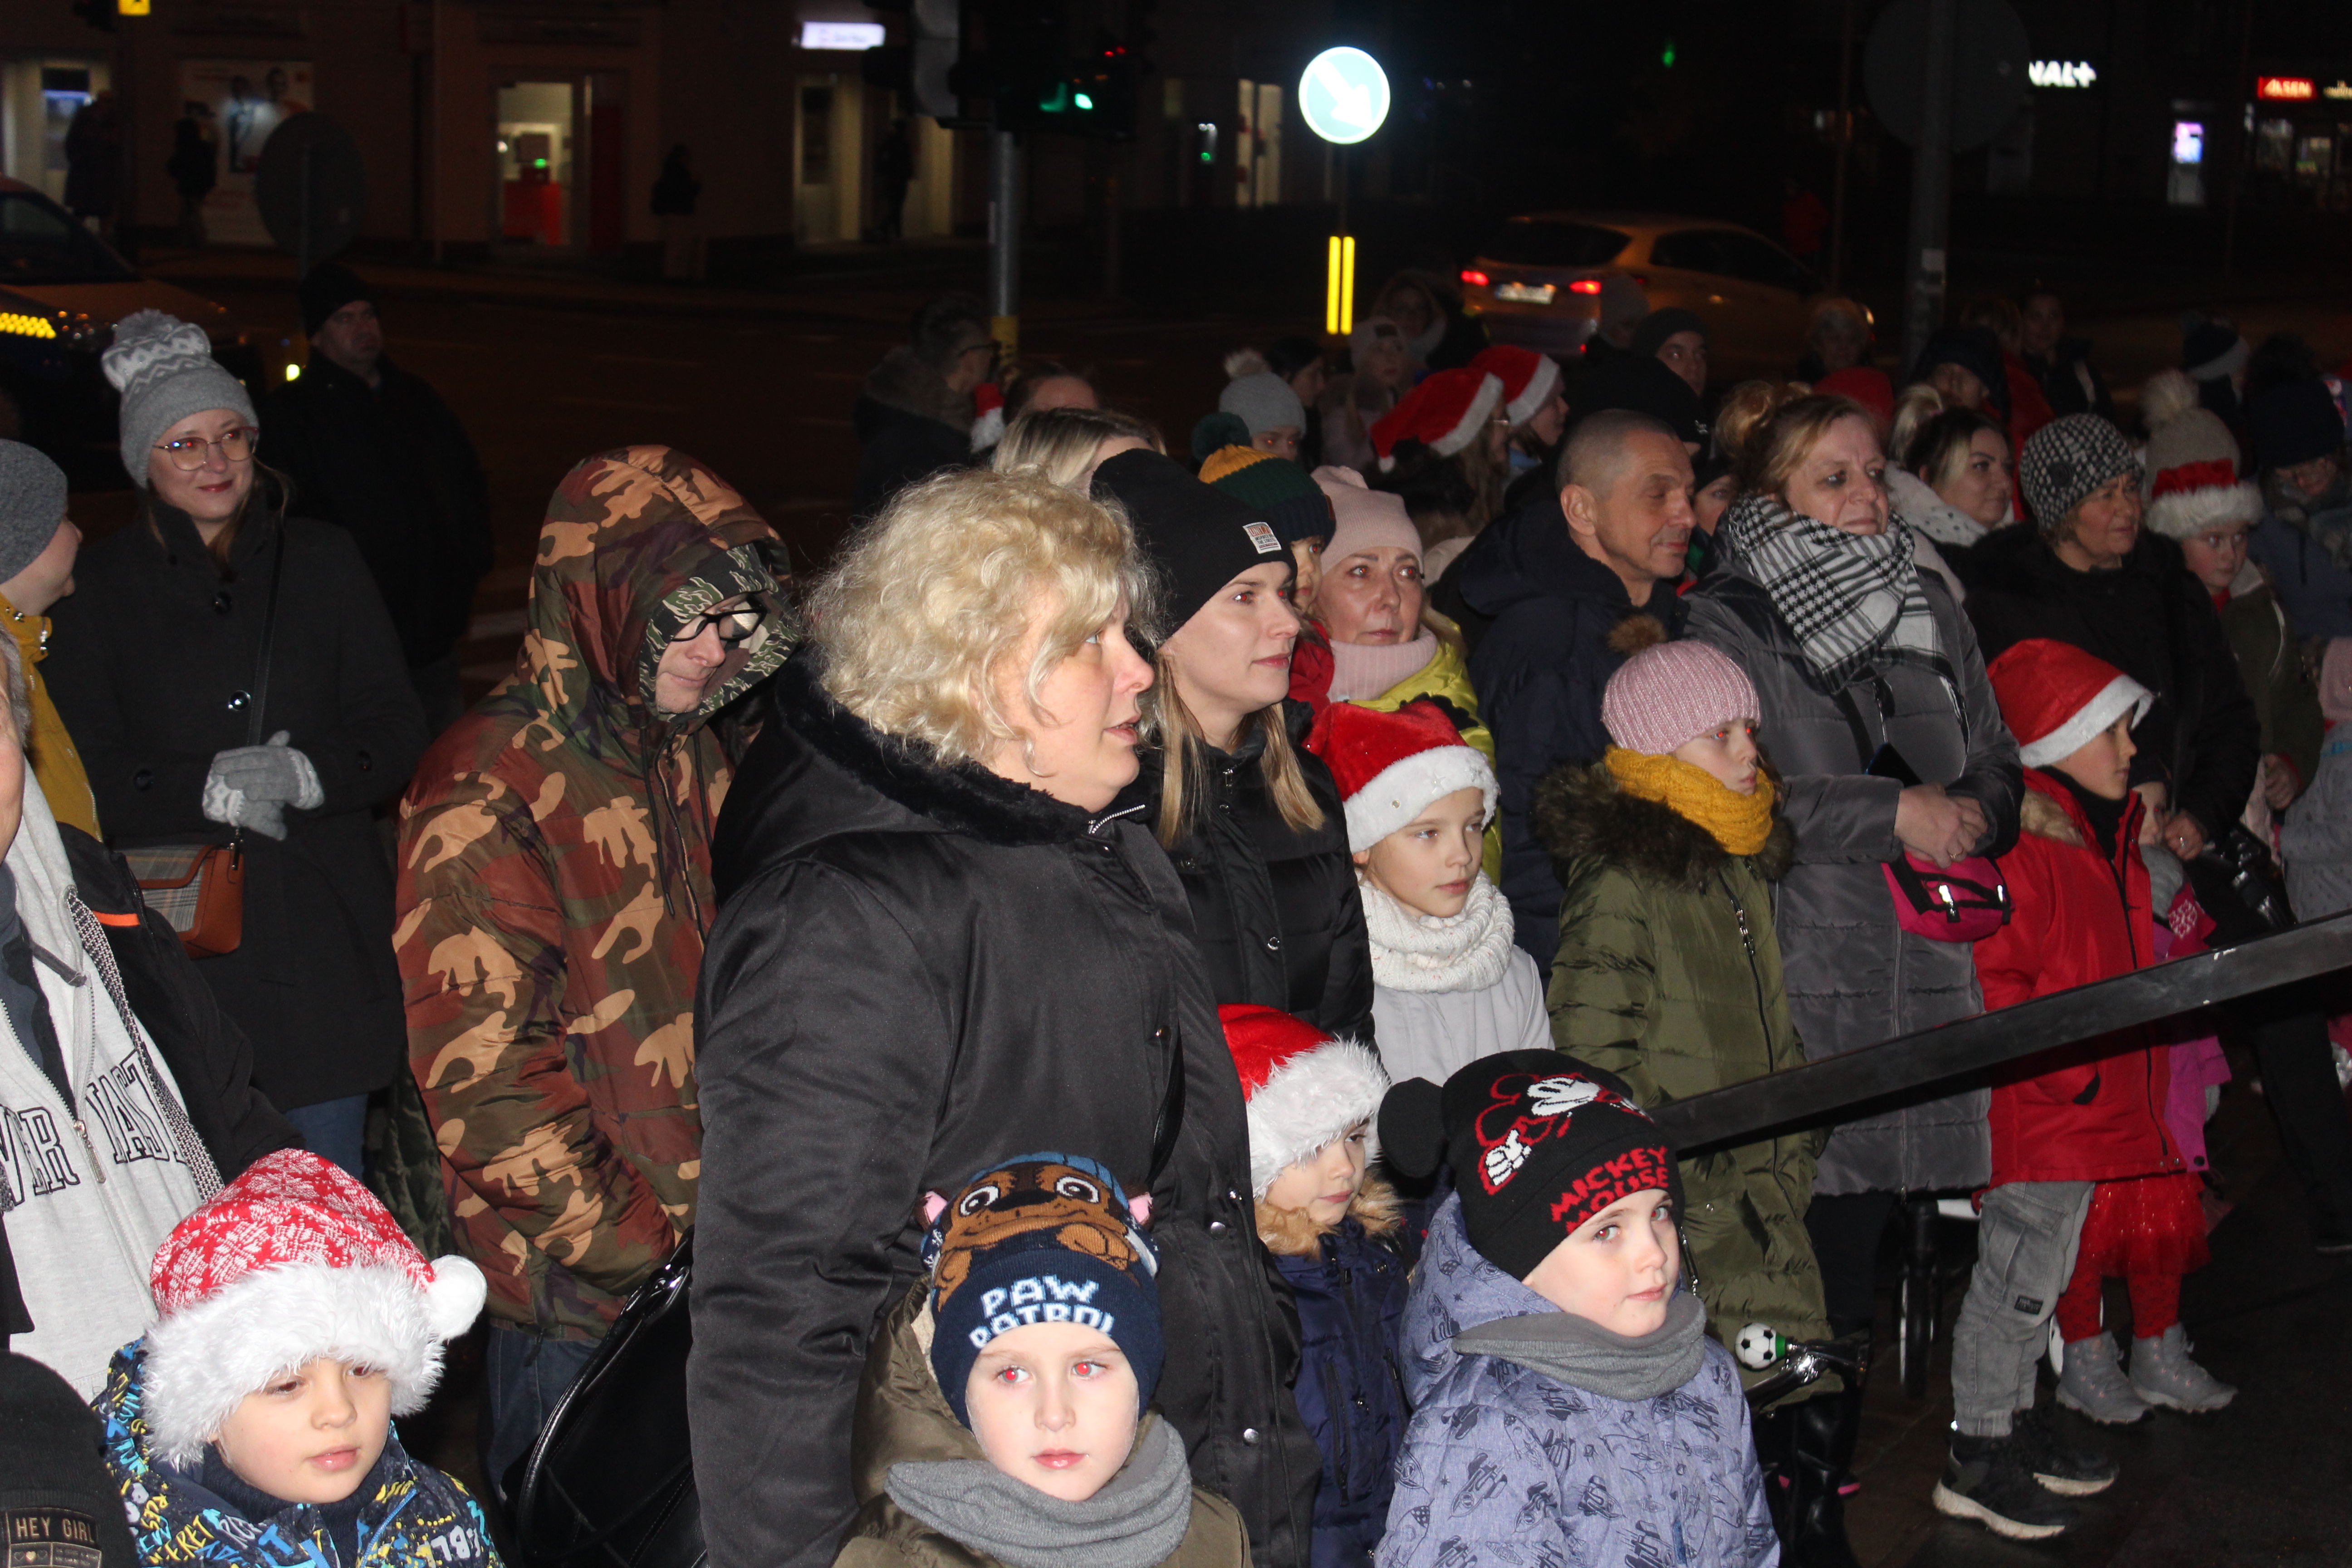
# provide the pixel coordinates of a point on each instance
(251, 1427)
(1568, 1407)
(1333, 1228)
(1449, 985)
(1669, 975)
(2085, 1138)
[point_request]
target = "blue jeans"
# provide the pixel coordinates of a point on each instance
(335, 1131)
(523, 1376)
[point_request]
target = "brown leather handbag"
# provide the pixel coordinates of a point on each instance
(198, 885)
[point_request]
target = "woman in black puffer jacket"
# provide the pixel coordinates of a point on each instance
(938, 945)
(1250, 818)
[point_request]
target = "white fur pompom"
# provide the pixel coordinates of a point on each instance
(455, 1298)
(2166, 395)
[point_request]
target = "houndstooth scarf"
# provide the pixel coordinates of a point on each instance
(1851, 600)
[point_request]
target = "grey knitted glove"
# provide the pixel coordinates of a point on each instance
(250, 787)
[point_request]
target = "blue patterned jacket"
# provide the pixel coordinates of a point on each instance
(1506, 1467)
(418, 1517)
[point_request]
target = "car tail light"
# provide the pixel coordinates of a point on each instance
(1475, 278)
(1585, 285)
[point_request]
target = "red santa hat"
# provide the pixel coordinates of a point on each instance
(1304, 1087)
(1389, 766)
(2057, 698)
(1446, 413)
(294, 1260)
(988, 416)
(1528, 378)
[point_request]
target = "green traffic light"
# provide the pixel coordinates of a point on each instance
(1667, 59)
(1084, 102)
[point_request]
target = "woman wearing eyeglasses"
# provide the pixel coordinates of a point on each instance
(155, 666)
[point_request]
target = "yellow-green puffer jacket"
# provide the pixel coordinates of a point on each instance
(1669, 976)
(902, 1416)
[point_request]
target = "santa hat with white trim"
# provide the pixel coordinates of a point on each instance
(2057, 698)
(1528, 378)
(1389, 766)
(1304, 1087)
(293, 1262)
(2191, 478)
(1446, 413)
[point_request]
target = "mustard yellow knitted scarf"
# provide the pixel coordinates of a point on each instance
(1741, 823)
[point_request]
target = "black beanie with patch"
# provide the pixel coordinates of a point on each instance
(1539, 1143)
(1197, 537)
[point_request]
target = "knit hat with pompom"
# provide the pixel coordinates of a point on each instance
(293, 1262)
(1673, 692)
(165, 369)
(2190, 482)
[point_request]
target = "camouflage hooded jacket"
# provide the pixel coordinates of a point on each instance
(555, 891)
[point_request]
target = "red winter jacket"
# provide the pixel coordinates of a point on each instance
(2079, 919)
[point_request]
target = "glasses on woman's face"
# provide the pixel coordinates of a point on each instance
(189, 453)
(733, 626)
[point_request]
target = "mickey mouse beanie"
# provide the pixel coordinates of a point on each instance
(1304, 1087)
(2067, 459)
(294, 1260)
(1539, 1143)
(165, 369)
(1040, 1238)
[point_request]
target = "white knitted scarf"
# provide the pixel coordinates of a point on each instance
(1414, 952)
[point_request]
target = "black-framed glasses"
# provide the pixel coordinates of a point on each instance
(733, 626)
(189, 453)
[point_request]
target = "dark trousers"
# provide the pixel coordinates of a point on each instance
(1846, 1229)
(523, 1376)
(2288, 1032)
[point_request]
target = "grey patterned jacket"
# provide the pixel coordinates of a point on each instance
(1506, 1467)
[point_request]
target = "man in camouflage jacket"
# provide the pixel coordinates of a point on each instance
(554, 894)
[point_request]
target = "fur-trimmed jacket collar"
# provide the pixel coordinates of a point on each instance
(1291, 1233)
(1580, 812)
(906, 384)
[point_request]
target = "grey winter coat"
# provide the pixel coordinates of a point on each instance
(1855, 978)
(1505, 1466)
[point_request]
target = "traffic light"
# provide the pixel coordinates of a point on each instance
(1060, 67)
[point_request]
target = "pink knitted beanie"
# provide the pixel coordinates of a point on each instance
(1673, 692)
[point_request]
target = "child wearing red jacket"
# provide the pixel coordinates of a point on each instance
(2081, 896)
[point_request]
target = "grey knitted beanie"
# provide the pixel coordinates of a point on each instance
(2067, 459)
(1263, 401)
(165, 369)
(32, 505)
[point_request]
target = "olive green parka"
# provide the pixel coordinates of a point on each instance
(902, 1416)
(1668, 975)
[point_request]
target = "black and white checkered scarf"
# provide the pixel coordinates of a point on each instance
(1851, 600)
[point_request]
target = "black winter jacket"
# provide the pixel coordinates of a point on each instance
(910, 426)
(2156, 622)
(917, 971)
(391, 466)
(1539, 671)
(313, 983)
(1276, 912)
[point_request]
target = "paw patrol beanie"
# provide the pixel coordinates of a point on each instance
(1041, 1238)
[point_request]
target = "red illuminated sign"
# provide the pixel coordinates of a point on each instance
(2290, 88)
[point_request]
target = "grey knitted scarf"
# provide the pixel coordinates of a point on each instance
(1581, 1353)
(1138, 1520)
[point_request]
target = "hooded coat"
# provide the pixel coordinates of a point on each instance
(2304, 547)
(1541, 670)
(902, 1417)
(1275, 912)
(1348, 1281)
(1855, 976)
(1669, 975)
(911, 424)
(312, 982)
(413, 1517)
(919, 969)
(391, 465)
(1505, 1465)
(2152, 620)
(555, 890)
(2081, 917)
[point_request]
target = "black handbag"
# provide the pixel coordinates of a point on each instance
(610, 1483)
(2239, 886)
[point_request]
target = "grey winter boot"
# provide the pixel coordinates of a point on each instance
(2094, 1384)
(2162, 1373)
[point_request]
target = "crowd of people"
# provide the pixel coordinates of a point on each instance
(1144, 983)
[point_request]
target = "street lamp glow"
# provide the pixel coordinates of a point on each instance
(1343, 95)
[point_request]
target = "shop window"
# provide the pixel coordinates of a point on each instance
(2314, 159)
(535, 152)
(816, 136)
(2273, 145)
(2185, 181)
